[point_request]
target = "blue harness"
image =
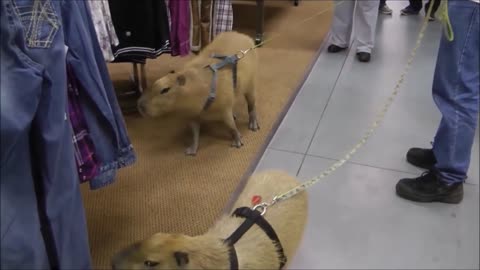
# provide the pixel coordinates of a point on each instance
(226, 60)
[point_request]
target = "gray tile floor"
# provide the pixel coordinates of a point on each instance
(356, 220)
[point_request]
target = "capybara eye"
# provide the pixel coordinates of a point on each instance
(150, 263)
(165, 90)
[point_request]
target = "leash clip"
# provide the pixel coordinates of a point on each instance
(262, 208)
(240, 54)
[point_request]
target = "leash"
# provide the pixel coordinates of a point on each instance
(444, 17)
(240, 54)
(262, 206)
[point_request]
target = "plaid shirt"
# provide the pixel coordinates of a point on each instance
(87, 163)
(223, 17)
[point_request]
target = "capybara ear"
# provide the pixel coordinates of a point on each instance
(181, 80)
(181, 258)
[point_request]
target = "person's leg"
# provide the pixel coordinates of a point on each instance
(436, 5)
(456, 94)
(342, 25)
(383, 8)
(413, 8)
(366, 22)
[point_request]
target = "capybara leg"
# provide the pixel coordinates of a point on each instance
(192, 150)
(252, 111)
(230, 122)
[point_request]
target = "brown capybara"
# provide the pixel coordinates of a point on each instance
(254, 249)
(185, 92)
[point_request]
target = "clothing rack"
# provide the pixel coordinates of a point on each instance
(261, 19)
(139, 79)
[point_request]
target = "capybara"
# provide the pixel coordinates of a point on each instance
(185, 91)
(254, 249)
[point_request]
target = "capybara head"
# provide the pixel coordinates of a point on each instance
(161, 251)
(174, 92)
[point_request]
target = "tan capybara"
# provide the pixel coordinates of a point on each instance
(208, 251)
(185, 92)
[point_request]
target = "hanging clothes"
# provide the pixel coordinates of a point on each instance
(98, 99)
(43, 223)
(167, 3)
(209, 18)
(179, 17)
(201, 23)
(84, 148)
(223, 17)
(142, 27)
(102, 21)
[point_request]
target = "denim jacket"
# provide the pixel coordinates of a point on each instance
(43, 224)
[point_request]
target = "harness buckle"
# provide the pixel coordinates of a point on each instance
(262, 208)
(240, 54)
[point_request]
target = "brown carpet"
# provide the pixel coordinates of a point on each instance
(169, 192)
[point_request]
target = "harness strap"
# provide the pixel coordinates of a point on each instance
(232, 254)
(232, 60)
(254, 217)
(226, 60)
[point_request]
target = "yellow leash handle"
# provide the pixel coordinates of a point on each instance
(445, 19)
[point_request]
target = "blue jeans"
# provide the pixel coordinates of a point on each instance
(102, 112)
(43, 223)
(456, 93)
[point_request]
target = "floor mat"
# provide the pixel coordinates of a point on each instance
(165, 191)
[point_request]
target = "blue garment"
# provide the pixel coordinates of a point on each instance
(43, 223)
(102, 112)
(42, 219)
(456, 92)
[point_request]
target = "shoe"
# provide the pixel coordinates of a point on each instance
(431, 19)
(363, 57)
(428, 188)
(334, 48)
(423, 158)
(409, 11)
(385, 10)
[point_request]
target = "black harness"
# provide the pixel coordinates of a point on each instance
(226, 60)
(252, 217)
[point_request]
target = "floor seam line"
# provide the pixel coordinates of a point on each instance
(286, 151)
(362, 164)
(326, 106)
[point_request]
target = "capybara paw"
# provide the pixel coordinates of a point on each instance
(191, 151)
(237, 143)
(253, 125)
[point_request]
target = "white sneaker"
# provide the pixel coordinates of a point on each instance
(385, 10)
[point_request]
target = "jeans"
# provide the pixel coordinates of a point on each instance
(43, 223)
(101, 109)
(456, 93)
